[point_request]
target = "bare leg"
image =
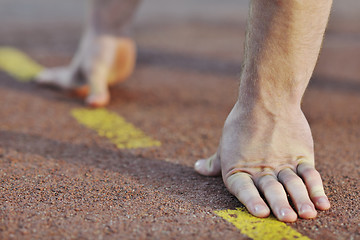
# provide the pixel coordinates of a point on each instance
(267, 146)
(111, 20)
(105, 56)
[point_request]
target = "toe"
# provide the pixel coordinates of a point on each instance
(98, 100)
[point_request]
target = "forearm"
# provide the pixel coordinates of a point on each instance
(283, 42)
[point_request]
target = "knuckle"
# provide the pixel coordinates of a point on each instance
(317, 191)
(286, 176)
(246, 187)
(310, 173)
(251, 200)
(239, 182)
(266, 182)
(292, 180)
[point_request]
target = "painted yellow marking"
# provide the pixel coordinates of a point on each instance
(114, 127)
(259, 228)
(18, 64)
(107, 124)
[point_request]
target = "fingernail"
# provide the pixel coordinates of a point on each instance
(322, 200)
(323, 203)
(306, 208)
(284, 212)
(260, 209)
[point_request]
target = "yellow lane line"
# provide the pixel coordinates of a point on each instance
(18, 64)
(259, 228)
(114, 127)
(107, 124)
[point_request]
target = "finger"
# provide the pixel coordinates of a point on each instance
(210, 166)
(242, 187)
(295, 187)
(276, 197)
(314, 185)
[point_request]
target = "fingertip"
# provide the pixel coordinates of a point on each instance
(307, 211)
(287, 215)
(198, 166)
(260, 210)
(322, 203)
(202, 166)
(209, 167)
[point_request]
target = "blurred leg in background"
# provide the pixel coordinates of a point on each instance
(106, 54)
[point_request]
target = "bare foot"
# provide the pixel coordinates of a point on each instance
(101, 61)
(113, 63)
(269, 154)
(62, 77)
(71, 76)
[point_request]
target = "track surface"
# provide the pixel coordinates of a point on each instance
(60, 179)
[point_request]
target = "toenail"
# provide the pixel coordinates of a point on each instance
(306, 208)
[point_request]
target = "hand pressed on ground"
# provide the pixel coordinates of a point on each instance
(266, 145)
(262, 154)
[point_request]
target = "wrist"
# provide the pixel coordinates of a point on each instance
(265, 96)
(269, 104)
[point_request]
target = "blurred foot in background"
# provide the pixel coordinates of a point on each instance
(105, 56)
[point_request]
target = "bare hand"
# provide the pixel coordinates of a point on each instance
(271, 154)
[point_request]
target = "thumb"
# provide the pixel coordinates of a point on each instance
(210, 166)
